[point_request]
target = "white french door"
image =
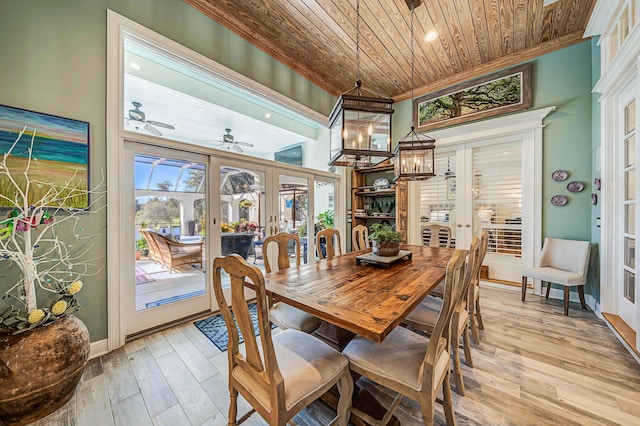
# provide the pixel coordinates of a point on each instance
(626, 291)
(167, 202)
(490, 197)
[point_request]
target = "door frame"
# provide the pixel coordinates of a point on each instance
(526, 126)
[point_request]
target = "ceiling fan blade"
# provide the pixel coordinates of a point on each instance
(161, 124)
(149, 128)
(237, 148)
(244, 143)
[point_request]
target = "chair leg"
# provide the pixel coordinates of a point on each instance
(548, 288)
(524, 287)
(467, 348)
(345, 387)
(473, 325)
(447, 402)
(457, 370)
(581, 294)
(479, 315)
(566, 300)
(233, 407)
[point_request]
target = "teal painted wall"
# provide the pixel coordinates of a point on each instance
(564, 79)
(54, 61)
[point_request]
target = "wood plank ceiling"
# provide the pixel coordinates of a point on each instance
(317, 38)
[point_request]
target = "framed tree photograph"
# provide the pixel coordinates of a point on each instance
(505, 91)
(54, 152)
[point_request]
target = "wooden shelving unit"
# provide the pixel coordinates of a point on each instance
(365, 196)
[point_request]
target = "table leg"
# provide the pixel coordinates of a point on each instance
(334, 336)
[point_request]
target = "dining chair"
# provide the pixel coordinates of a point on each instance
(360, 238)
(332, 243)
(436, 235)
(425, 316)
(281, 374)
(410, 364)
(475, 314)
(283, 315)
(563, 262)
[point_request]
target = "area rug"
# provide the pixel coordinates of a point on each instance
(168, 300)
(142, 277)
(216, 330)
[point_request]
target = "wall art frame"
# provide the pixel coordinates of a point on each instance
(58, 154)
(498, 93)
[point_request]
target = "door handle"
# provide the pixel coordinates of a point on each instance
(214, 220)
(468, 226)
(459, 225)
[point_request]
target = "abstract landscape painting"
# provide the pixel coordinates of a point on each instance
(499, 93)
(59, 155)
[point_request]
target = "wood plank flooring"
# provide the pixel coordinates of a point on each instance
(534, 366)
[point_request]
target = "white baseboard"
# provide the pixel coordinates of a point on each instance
(98, 348)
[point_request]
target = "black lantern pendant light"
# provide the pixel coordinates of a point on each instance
(360, 122)
(414, 159)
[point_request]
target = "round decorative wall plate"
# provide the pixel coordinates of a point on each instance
(560, 175)
(559, 200)
(575, 186)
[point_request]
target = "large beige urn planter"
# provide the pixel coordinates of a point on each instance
(40, 369)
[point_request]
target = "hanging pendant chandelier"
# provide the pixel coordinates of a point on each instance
(360, 122)
(414, 153)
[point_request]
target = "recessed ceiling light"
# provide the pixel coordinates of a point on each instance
(200, 109)
(267, 115)
(134, 65)
(177, 126)
(430, 36)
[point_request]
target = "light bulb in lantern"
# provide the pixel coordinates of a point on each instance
(370, 129)
(360, 139)
(345, 134)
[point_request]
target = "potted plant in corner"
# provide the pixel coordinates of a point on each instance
(43, 347)
(385, 239)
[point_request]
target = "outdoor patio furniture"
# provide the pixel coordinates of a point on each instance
(175, 254)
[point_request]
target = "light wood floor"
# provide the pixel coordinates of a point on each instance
(534, 366)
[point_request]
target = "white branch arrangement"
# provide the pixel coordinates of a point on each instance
(29, 240)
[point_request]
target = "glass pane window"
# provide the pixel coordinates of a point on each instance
(630, 252)
(630, 117)
(630, 185)
(630, 218)
(630, 151)
(629, 286)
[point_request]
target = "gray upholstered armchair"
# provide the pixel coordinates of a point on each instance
(563, 262)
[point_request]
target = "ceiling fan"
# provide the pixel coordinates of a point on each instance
(229, 142)
(137, 119)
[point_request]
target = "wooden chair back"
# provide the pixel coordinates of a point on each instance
(332, 243)
(263, 367)
(281, 241)
(440, 340)
(154, 251)
(360, 238)
(473, 270)
(439, 235)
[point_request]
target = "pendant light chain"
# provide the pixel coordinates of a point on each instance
(358, 44)
(413, 56)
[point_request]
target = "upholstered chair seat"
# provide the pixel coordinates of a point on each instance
(286, 316)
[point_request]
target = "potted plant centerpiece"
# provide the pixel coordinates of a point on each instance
(43, 347)
(385, 239)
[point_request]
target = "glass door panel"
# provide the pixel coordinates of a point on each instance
(168, 206)
(324, 196)
(243, 212)
(626, 295)
(293, 210)
(438, 197)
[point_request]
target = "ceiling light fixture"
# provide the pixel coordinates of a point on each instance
(200, 109)
(267, 115)
(360, 122)
(134, 66)
(413, 156)
(431, 36)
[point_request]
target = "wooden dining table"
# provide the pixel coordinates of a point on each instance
(363, 299)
